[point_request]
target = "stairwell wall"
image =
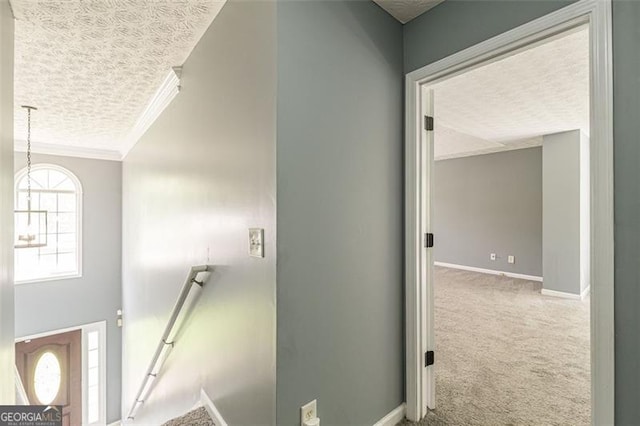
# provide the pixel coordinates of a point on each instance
(201, 176)
(7, 352)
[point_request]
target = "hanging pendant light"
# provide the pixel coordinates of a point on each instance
(31, 225)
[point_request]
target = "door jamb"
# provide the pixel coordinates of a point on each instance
(101, 328)
(597, 14)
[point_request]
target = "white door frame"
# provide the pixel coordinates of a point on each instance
(419, 330)
(101, 328)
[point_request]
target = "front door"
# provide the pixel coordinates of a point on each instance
(51, 371)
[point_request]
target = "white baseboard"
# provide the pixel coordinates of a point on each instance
(489, 271)
(564, 295)
(394, 417)
(116, 423)
(211, 409)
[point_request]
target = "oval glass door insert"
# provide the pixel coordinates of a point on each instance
(47, 378)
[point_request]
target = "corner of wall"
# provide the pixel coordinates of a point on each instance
(7, 350)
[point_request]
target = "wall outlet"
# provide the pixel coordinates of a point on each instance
(493, 256)
(511, 259)
(308, 412)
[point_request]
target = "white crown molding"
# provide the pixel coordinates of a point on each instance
(168, 90)
(68, 151)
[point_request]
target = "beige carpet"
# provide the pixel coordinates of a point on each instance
(506, 355)
(197, 417)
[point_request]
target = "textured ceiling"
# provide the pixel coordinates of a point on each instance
(406, 10)
(511, 103)
(91, 67)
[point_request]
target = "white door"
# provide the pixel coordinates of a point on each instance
(428, 379)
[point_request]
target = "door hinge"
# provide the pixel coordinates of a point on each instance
(428, 122)
(428, 358)
(428, 240)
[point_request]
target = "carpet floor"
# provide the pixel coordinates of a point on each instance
(506, 355)
(197, 417)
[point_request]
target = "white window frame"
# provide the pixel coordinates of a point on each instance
(101, 328)
(79, 221)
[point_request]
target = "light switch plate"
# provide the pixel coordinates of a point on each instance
(256, 242)
(511, 259)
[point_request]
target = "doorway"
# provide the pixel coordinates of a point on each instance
(422, 355)
(50, 370)
(65, 367)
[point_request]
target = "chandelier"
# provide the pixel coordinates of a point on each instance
(30, 225)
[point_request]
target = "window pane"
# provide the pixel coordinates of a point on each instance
(66, 242)
(66, 222)
(47, 378)
(67, 202)
(48, 201)
(93, 358)
(53, 191)
(93, 405)
(39, 180)
(22, 201)
(93, 376)
(92, 340)
(56, 179)
(67, 262)
(50, 248)
(47, 263)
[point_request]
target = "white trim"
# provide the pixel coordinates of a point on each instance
(79, 220)
(116, 423)
(597, 14)
(565, 295)
(101, 328)
(21, 393)
(168, 90)
(211, 409)
(394, 417)
(68, 151)
(489, 271)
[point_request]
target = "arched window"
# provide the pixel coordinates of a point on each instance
(57, 191)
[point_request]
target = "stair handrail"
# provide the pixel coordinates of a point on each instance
(21, 394)
(167, 340)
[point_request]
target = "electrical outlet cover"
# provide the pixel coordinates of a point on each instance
(256, 242)
(308, 412)
(493, 256)
(511, 259)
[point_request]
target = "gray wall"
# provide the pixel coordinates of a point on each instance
(7, 362)
(199, 178)
(455, 25)
(585, 212)
(490, 204)
(626, 83)
(562, 252)
(340, 197)
(97, 294)
(438, 33)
